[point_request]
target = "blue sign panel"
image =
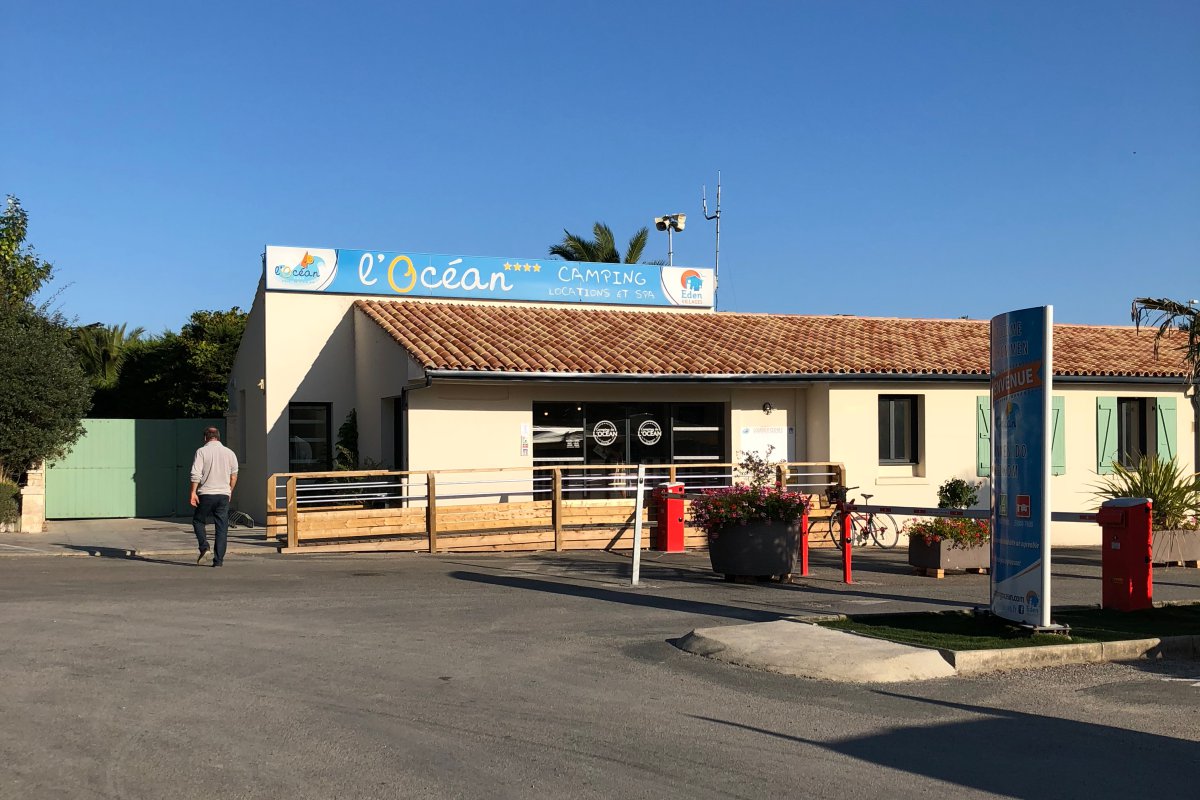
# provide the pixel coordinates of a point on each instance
(395, 274)
(1022, 372)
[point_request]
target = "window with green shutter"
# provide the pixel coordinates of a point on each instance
(1106, 434)
(1058, 437)
(1168, 426)
(983, 436)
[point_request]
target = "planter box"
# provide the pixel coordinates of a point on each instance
(759, 549)
(1171, 546)
(942, 556)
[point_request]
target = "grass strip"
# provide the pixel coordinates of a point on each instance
(965, 630)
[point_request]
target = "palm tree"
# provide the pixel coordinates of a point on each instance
(603, 248)
(102, 349)
(1174, 318)
(1171, 316)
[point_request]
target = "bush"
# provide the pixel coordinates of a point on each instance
(10, 509)
(957, 493)
(1174, 495)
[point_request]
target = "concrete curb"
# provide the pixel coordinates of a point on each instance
(798, 648)
(980, 662)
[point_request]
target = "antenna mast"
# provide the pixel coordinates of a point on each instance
(717, 216)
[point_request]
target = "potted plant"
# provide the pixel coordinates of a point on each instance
(1175, 504)
(753, 527)
(940, 543)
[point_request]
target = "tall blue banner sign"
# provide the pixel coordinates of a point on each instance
(394, 274)
(1022, 373)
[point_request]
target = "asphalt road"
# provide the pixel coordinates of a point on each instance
(530, 676)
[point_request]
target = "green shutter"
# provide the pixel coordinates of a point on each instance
(983, 437)
(1058, 439)
(1106, 434)
(1167, 427)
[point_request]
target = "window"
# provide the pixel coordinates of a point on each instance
(308, 437)
(1136, 430)
(558, 433)
(627, 433)
(1128, 428)
(897, 429)
(697, 432)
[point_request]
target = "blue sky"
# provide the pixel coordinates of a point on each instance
(915, 159)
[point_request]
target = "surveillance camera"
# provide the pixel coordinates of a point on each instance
(679, 220)
(660, 223)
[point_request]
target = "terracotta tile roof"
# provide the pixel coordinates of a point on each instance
(512, 338)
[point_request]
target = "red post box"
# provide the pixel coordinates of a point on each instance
(668, 531)
(1126, 570)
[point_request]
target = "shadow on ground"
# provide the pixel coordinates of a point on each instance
(122, 554)
(1016, 754)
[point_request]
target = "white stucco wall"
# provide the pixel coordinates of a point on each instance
(245, 427)
(947, 442)
(309, 340)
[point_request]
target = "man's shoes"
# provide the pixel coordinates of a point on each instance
(218, 563)
(205, 557)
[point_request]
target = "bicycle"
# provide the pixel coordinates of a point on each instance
(864, 527)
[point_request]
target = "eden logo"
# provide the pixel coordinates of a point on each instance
(1023, 509)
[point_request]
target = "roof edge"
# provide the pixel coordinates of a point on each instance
(860, 377)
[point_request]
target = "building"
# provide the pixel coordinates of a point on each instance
(451, 362)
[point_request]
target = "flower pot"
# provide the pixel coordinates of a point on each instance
(943, 555)
(1168, 547)
(755, 548)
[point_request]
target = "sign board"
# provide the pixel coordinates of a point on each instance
(396, 274)
(760, 439)
(1021, 374)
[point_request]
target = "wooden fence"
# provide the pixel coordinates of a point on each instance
(490, 510)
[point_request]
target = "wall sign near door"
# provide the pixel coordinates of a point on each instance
(649, 432)
(604, 432)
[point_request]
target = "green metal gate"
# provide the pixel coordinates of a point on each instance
(126, 468)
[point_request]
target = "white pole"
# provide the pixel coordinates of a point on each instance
(637, 525)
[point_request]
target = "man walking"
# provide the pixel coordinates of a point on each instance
(214, 474)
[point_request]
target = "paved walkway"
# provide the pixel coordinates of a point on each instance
(772, 634)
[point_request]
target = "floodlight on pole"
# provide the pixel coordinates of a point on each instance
(670, 223)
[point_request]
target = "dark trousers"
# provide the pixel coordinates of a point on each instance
(216, 506)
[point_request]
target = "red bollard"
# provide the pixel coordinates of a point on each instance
(847, 573)
(1126, 572)
(668, 533)
(804, 543)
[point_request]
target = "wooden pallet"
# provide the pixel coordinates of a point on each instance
(941, 573)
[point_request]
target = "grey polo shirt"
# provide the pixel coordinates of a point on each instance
(212, 468)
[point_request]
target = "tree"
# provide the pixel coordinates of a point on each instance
(102, 350)
(43, 390)
(1177, 322)
(1172, 318)
(22, 273)
(603, 248)
(177, 375)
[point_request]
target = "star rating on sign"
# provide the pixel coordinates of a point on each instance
(522, 267)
